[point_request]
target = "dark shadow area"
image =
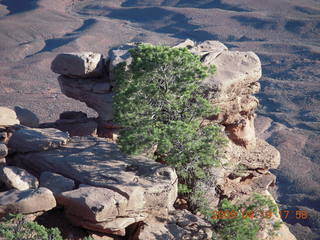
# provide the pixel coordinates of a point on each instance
(85, 26)
(305, 52)
(232, 38)
(205, 4)
(210, 4)
(256, 23)
(19, 6)
(306, 10)
(294, 26)
(52, 44)
(162, 21)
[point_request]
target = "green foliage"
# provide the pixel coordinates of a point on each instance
(243, 221)
(15, 227)
(159, 102)
(87, 238)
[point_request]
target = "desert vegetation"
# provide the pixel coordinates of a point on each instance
(160, 105)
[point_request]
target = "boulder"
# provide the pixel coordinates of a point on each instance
(140, 184)
(82, 65)
(3, 150)
(18, 178)
(26, 117)
(8, 117)
(28, 201)
(56, 183)
(33, 139)
(101, 209)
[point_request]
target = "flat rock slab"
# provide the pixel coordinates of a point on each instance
(83, 64)
(18, 178)
(36, 139)
(56, 183)
(97, 162)
(120, 186)
(8, 117)
(28, 201)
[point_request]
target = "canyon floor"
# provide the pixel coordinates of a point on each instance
(284, 33)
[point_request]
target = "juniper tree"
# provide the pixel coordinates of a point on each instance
(160, 104)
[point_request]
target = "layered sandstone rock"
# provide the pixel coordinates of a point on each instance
(119, 190)
(118, 193)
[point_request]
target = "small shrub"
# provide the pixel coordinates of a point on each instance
(245, 220)
(15, 227)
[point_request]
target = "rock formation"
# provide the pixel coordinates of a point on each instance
(103, 190)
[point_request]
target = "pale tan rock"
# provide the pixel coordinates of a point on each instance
(243, 133)
(28, 201)
(18, 178)
(83, 64)
(235, 72)
(8, 117)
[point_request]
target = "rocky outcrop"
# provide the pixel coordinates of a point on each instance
(103, 190)
(134, 186)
